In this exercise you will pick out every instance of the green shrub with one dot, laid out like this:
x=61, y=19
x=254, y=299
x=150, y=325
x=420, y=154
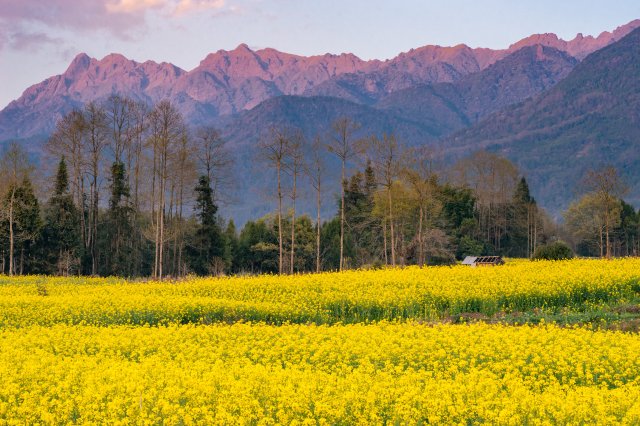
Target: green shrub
x=557, y=250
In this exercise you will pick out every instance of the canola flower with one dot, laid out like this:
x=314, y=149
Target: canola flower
x=411, y=293
x=333, y=348
x=393, y=373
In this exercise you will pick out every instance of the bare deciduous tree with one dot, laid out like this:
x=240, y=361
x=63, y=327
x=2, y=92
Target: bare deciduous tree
x=14, y=167
x=294, y=152
x=274, y=150
x=607, y=188
x=341, y=144
x=314, y=170
x=385, y=154
x=422, y=179
x=167, y=128
x=493, y=180
x=215, y=161
x=68, y=140
x=95, y=129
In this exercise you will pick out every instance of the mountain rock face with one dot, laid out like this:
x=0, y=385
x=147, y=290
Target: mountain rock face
x=227, y=82
x=447, y=107
x=86, y=79
x=580, y=46
x=418, y=114
x=588, y=120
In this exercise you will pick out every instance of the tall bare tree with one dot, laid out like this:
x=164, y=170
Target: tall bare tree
x=139, y=113
x=294, y=152
x=493, y=180
x=341, y=144
x=607, y=188
x=14, y=167
x=183, y=178
x=314, y=171
x=68, y=140
x=385, y=154
x=167, y=127
x=585, y=220
x=274, y=150
x=134, y=152
x=422, y=179
x=120, y=120
x=95, y=129
x=215, y=161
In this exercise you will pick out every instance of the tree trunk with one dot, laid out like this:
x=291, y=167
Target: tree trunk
x=180, y=201
x=342, y=216
x=420, y=242
x=80, y=202
x=161, y=210
x=94, y=230
x=279, y=218
x=384, y=241
x=318, y=228
x=153, y=209
x=293, y=220
x=11, y=236
x=606, y=229
x=173, y=224
x=391, y=228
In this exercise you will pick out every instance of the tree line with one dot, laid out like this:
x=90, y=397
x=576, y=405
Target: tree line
x=136, y=193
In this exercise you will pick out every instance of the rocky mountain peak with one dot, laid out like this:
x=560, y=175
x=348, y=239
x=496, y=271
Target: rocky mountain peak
x=79, y=64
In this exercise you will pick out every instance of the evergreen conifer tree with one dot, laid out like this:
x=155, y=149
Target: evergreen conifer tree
x=207, y=249
x=61, y=238
x=28, y=227
x=120, y=218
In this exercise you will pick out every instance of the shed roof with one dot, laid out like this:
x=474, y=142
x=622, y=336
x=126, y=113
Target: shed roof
x=489, y=259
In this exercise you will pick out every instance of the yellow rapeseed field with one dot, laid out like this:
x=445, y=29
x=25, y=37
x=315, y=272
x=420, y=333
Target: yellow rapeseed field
x=305, y=374
x=348, y=297
x=361, y=347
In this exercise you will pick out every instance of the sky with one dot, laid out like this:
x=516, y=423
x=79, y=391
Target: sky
x=38, y=38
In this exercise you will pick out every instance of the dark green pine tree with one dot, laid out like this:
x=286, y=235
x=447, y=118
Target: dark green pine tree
x=231, y=247
x=61, y=243
x=207, y=249
x=360, y=222
x=119, y=232
x=458, y=220
x=521, y=217
x=627, y=233
x=258, y=248
x=27, y=228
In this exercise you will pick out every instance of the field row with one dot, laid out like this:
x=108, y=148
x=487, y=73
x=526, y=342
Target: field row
x=304, y=374
x=349, y=297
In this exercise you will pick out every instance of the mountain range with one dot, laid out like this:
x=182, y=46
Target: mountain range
x=540, y=102
x=589, y=119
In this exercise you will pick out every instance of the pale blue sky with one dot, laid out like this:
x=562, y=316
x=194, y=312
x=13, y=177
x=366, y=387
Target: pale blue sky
x=38, y=38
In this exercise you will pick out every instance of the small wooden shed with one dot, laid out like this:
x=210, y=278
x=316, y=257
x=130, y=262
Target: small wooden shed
x=474, y=261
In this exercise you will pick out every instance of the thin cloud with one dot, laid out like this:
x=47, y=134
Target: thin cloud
x=86, y=15
x=121, y=18
x=133, y=6
x=31, y=41
x=189, y=6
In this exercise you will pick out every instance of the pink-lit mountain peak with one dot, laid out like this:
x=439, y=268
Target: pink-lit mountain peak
x=229, y=81
x=580, y=46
